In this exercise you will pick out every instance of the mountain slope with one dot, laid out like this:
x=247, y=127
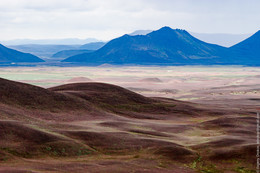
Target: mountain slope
x=10, y=55
x=164, y=46
x=93, y=46
x=68, y=53
x=248, y=49
x=226, y=40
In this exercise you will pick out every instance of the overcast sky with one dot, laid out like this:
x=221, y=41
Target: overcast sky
x=106, y=19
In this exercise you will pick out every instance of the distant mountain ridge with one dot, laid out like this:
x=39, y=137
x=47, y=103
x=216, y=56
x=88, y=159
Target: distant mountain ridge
x=168, y=46
x=43, y=51
x=222, y=39
x=68, y=53
x=65, y=41
x=86, y=48
x=8, y=55
x=162, y=46
x=165, y=46
x=93, y=45
x=140, y=32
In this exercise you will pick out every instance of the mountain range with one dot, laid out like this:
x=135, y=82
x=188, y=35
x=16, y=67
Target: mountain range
x=168, y=46
x=86, y=48
x=165, y=46
x=43, y=51
x=222, y=39
x=68, y=53
x=8, y=55
x=57, y=52
x=66, y=41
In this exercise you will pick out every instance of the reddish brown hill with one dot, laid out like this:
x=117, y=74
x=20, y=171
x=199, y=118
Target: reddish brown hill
x=21, y=140
x=29, y=96
x=102, y=92
x=117, y=99
x=122, y=101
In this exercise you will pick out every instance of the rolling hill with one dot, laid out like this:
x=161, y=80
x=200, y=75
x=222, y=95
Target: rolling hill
x=8, y=55
x=164, y=46
x=103, y=126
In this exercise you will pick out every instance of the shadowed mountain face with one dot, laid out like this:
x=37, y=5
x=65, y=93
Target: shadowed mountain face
x=159, y=47
x=10, y=55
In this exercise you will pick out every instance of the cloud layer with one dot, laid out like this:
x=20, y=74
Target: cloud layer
x=105, y=19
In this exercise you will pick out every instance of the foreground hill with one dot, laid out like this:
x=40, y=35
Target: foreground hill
x=33, y=97
x=164, y=46
x=105, y=128
x=11, y=55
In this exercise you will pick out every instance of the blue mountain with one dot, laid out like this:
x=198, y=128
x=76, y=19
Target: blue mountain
x=164, y=46
x=10, y=55
x=92, y=46
x=68, y=53
x=248, y=51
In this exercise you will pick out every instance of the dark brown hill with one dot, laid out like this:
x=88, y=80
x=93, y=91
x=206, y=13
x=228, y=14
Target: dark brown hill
x=29, y=96
x=101, y=92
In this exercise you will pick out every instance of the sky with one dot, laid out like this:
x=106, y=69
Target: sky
x=107, y=19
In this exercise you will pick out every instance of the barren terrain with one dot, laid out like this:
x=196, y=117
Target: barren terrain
x=129, y=119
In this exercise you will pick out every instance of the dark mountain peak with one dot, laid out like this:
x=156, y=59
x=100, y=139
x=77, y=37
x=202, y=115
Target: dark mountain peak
x=168, y=29
x=167, y=32
x=163, y=30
